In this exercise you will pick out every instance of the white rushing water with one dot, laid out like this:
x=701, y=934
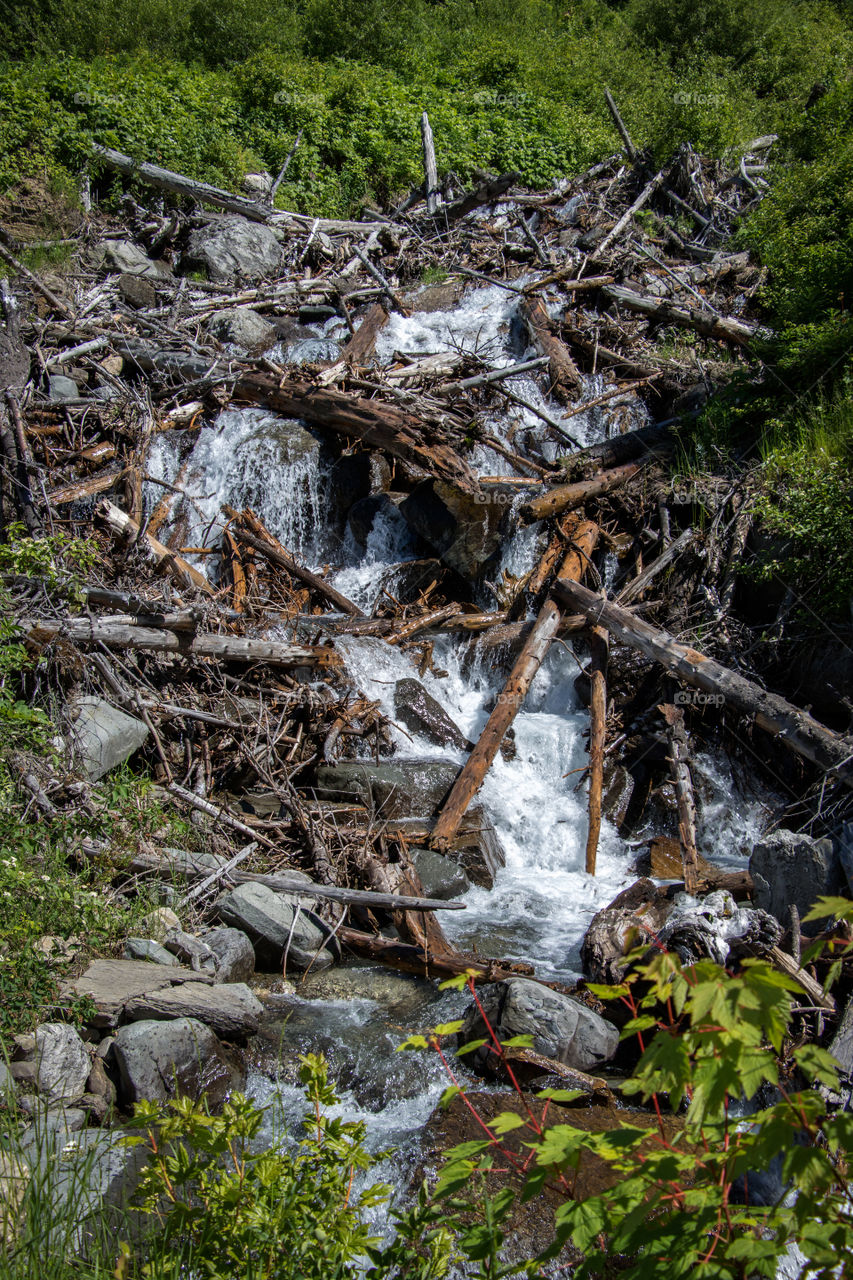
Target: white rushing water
x=543, y=900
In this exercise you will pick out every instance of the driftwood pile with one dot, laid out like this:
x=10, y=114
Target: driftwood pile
x=236, y=674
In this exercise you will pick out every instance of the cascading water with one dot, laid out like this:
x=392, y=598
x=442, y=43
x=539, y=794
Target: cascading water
x=543, y=900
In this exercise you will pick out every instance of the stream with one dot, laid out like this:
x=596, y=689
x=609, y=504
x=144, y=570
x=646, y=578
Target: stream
x=543, y=900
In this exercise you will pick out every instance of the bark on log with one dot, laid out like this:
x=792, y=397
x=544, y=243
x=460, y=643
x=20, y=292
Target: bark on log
x=123, y=527
x=409, y=959
x=567, y=497
x=723, y=328
x=275, y=553
x=282, y=883
x=657, y=440
x=598, y=654
x=679, y=765
x=616, y=231
x=511, y=698
x=225, y=648
x=100, y=483
x=562, y=371
x=381, y=425
x=798, y=731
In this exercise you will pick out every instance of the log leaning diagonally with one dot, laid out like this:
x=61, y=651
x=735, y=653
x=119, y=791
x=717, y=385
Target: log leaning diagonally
x=122, y=526
x=510, y=700
x=799, y=731
x=568, y=497
x=382, y=425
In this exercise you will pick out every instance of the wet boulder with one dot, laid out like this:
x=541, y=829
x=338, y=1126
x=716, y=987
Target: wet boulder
x=462, y=528
x=789, y=868
x=403, y=788
x=229, y=247
x=561, y=1027
x=407, y=581
x=440, y=876
x=418, y=710
x=364, y=513
x=275, y=922
x=158, y=1061
x=242, y=327
x=635, y=916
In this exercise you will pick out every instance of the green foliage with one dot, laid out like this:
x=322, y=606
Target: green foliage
x=710, y=1041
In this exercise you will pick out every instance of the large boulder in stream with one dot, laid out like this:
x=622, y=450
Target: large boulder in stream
x=158, y=1061
x=791, y=869
x=562, y=1028
x=230, y=246
x=418, y=710
x=276, y=922
x=463, y=529
x=405, y=788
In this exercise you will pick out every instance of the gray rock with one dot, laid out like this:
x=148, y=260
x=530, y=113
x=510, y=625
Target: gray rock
x=562, y=1028
x=418, y=710
x=231, y=246
x=104, y=736
x=462, y=530
x=62, y=1061
x=406, y=788
x=99, y=1083
x=61, y=388
x=230, y=1008
x=192, y=951
x=113, y=983
x=128, y=258
x=235, y=955
x=137, y=291
x=163, y=1060
x=242, y=327
x=147, y=949
x=25, y=1073
x=440, y=876
x=268, y=919
x=789, y=868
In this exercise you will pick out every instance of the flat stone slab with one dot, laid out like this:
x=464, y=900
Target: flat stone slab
x=230, y=1009
x=113, y=983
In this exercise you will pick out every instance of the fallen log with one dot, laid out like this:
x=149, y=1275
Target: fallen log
x=637, y=586
x=567, y=497
x=225, y=648
x=127, y=530
x=271, y=550
x=512, y=696
x=423, y=623
x=381, y=425
x=598, y=655
x=798, y=731
x=490, y=190
x=411, y=959
x=562, y=371
x=678, y=760
x=616, y=231
x=723, y=328
x=292, y=885
x=100, y=483
x=656, y=439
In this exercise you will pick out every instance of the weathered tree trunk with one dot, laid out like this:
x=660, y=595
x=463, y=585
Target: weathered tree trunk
x=431, y=193
x=598, y=653
x=261, y=540
x=563, y=374
x=512, y=697
x=410, y=959
x=615, y=232
x=637, y=586
x=710, y=326
x=168, y=561
x=100, y=483
x=382, y=425
x=799, y=732
x=567, y=497
x=656, y=440
x=225, y=648
x=678, y=759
